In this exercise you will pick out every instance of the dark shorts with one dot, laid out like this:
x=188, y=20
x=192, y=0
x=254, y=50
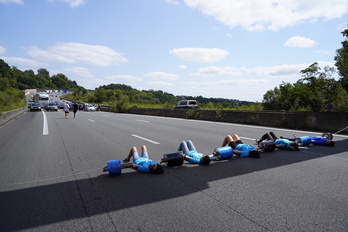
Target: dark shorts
x=233, y=144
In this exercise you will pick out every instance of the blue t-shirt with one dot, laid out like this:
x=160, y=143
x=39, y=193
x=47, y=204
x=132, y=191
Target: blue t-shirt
x=283, y=142
x=317, y=140
x=195, y=157
x=306, y=140
x=244, y=149
x=144, y=163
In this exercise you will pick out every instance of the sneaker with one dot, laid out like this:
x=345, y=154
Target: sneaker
x=105, y=169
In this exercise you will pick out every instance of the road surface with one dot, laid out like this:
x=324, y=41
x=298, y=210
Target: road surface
x=51, y=178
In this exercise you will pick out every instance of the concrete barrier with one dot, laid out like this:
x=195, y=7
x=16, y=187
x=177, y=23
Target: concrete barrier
x=10, y=115
x=315, y=121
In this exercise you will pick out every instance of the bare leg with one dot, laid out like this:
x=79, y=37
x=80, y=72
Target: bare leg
x=235, y=137
x=227, y=140
x=130, y=154
x=143, y=148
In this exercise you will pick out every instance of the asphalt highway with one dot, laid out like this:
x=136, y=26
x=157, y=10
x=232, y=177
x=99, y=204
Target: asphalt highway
x=51, y=178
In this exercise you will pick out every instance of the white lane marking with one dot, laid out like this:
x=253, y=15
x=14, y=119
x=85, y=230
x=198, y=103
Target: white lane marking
x=138, y=120
x=45, y=127
x=148, y=140
x=91, y=120
x=247, y=138
x=240, y=125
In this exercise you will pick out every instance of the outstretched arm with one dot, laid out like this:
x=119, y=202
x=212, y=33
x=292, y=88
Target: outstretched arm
x=130, y=165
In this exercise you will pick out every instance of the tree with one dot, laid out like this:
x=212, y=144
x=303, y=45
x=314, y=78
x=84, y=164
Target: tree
x=313, y=92
x=341, y=59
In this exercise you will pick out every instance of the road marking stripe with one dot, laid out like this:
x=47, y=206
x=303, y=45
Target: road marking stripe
x=45, y=127
x=138, y=120
x=148, y=140
x=247, y=138
x=91, y=120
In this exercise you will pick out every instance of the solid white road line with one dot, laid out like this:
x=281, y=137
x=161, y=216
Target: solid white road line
x=45, y=127
x=148, y=140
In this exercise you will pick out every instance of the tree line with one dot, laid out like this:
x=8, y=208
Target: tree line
x=316, y=90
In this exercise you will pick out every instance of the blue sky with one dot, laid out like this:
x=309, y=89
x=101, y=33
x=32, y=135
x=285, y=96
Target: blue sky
x=211, y=48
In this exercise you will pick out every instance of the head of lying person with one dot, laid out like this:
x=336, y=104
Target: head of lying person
x=295, y=145
x=205, y=160
x=254, y=154
x=330, y=143
x=156, y=169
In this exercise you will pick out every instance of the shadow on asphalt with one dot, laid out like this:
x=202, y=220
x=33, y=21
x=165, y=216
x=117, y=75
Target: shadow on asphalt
x=37, y=206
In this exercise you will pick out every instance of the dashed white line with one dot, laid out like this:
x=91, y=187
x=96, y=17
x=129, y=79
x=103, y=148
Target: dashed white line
x=91, y=120
x=138, y=120
x=148, y=140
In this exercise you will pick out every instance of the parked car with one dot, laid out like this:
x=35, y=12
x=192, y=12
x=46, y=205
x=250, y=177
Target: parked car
x=51, y=106
x=90, y=107
x=186, y=104
x=35, y=107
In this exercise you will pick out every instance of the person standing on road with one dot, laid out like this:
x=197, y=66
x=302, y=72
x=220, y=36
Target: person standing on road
x=239, y=148
x=75, y=106
x=66, y=110
x=142, y=163
x=191, y=154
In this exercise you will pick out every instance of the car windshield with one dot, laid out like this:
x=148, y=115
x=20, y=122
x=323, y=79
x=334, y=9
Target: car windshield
x=51, y=104
x=36, y=104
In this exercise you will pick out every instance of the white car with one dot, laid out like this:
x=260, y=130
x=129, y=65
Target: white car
x=51, y=106
x=186, y=104
x=90, y=107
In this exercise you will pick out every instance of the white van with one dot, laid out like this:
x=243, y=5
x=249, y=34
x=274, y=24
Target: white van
x=186, y=104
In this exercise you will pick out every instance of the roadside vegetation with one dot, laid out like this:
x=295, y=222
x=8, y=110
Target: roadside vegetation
x=316, y=90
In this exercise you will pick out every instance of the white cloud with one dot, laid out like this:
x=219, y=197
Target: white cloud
x=128, y=78
x=2, y=50
x=244, y=81
x=255, y=15
x=71, y=3
x=160, y=83
x=20, y=2
x=173, y=2
x=80, y=71
x=182, y=67
x=300, y=42
x=214, y=71
x=162, y=76
x=77, y=52
x=201, y=55
x=278, y=71
x=23, y=61
x=323, y=52
x=342, y=26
